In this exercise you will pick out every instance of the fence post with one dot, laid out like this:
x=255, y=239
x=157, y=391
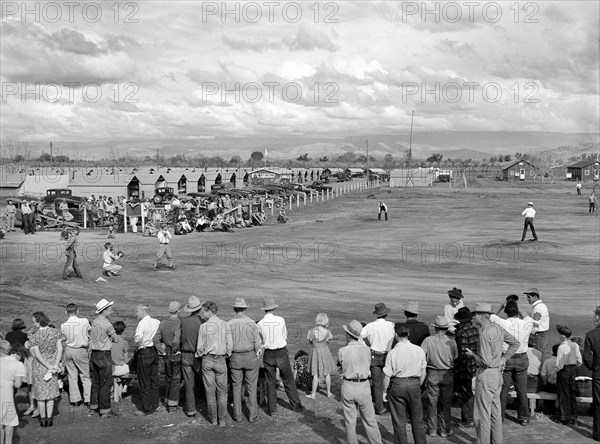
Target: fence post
x=85, y=216
x=304, y=198
x=124, y=216
x=290, y=203
x=143, y=208
x=322, y=195
x=311, y=196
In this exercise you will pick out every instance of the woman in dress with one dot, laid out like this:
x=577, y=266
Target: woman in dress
x=46, y=348
x=71, y=267
x=320, y=360
x=12, y=372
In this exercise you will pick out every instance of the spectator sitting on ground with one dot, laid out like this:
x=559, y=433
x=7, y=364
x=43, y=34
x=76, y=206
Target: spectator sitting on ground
x=150, y=229
x=202, y=223
x=282, y=218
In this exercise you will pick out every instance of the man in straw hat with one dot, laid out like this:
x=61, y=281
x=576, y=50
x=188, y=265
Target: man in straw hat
x=490, y=362
x=379, y=336
x=456, y=303
x=244, y=363
x=529, y=214
x=164, y=238
x=404, y=374
x=354, y=362
x=190, y=364
x=591, y=359
x=274, y=336
x=147, y=360
x=440, y=351
x=102, y=334
x=465, y=367
x=168, y=340
x=418, y=330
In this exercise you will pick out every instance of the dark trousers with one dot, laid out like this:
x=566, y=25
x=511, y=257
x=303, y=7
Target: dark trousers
x=464, y=390
x=440, y=386
x=404, y=397
x=172, y=379
x=540, y=342
x=596, y=405
x=377, y=364
x=27, y=223
x=592, y=207
x=515, y=372
x=379, y=215
x=71, y=267
x=579, y=191
x=280, y=359
x=190, y=368
x=147, y=372
x=567, y=398
x=102, y=380
x=528, y=223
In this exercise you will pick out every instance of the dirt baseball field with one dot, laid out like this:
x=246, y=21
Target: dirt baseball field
x=333, y=257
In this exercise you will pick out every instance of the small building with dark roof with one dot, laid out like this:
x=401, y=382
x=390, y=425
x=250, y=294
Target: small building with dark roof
x=584, y=170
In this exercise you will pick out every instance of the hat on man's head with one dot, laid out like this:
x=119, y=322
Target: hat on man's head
x=534, y=291
x=482, y=307
x=174, y=307
x=441, y=321
x=411, y=307
x=354, y=328
x=240, y=303
x=103, y=305
x=381, y=310
x=193, y=305
x=269, y=304
x=463, y=314
x=455, y=293
x=530, y=203
x=597, y=311
x=512, y=298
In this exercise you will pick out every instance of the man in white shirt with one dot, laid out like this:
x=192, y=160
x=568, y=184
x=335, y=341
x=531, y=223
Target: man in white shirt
x=379, y=336
x=541, y=317
x=76, y=333
x=456, y=303
x=147, y=360
x=515, y=370
x=382, y=209
x=273, y=332
x=164, y=238
x=529, y=214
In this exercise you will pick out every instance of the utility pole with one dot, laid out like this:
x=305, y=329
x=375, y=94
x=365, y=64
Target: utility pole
x=51, y=156
x=367, y=146
x=409, y=176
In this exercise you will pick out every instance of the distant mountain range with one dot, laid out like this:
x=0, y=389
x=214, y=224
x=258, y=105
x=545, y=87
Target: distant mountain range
x=452, y=144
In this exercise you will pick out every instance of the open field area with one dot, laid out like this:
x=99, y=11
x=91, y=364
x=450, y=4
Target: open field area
x=333, y=257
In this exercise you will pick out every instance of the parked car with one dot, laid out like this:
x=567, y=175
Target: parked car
x=163, y=195
x=320, y=186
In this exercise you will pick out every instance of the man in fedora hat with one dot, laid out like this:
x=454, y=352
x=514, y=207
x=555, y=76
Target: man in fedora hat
x=440, y=351
x=465, y=367
x=515, y=370
x=405, y=371
x=379, y=336
x=168, y=340
x=456, y=303
x=244, y=364
x=102, y=335
x=418, y=330
x=529, y=214
x=164, y=238
x=490, y=361
x=541, y=317
x=190, y=364
x=274, y=336
x=354, y=362
x=591, y=359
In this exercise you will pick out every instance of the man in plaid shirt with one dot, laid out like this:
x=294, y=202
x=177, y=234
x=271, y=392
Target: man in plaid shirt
x=467, y=336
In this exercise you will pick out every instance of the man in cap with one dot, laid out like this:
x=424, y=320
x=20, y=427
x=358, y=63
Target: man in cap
x=190, y=364
x=529, y=214
x=418, y=330
x=490, y=361
x=147, y=360
x=465, y=367
x=244, y=364
x=456, y=303
x=541, y=317
x=379, y=336
x=214, y=345
x=591, y=359
x=274, y=336
x=515, y=370
x=405, y=371
x=76, y=333
x=11, y=211
x=354, y=362
x=440, y=351
x=168, y=340
x=102, y=334
x=164, y=238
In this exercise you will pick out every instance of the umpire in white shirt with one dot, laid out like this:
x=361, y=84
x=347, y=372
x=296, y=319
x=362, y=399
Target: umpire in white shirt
x=147, y=360
x=382, y=209
x=529, y=214
x=274, y=335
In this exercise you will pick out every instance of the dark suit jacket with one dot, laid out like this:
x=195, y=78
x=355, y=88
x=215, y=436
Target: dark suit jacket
x=418, y=331
x=591, y=350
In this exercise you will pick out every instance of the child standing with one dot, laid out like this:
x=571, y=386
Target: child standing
x=12, y=372
x=320, y=361
x=568, y=358
x=302, y=375
x=119, y=357
x=549, y=371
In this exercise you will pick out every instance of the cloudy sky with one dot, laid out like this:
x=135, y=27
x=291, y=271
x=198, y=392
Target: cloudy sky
x=185, y=70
